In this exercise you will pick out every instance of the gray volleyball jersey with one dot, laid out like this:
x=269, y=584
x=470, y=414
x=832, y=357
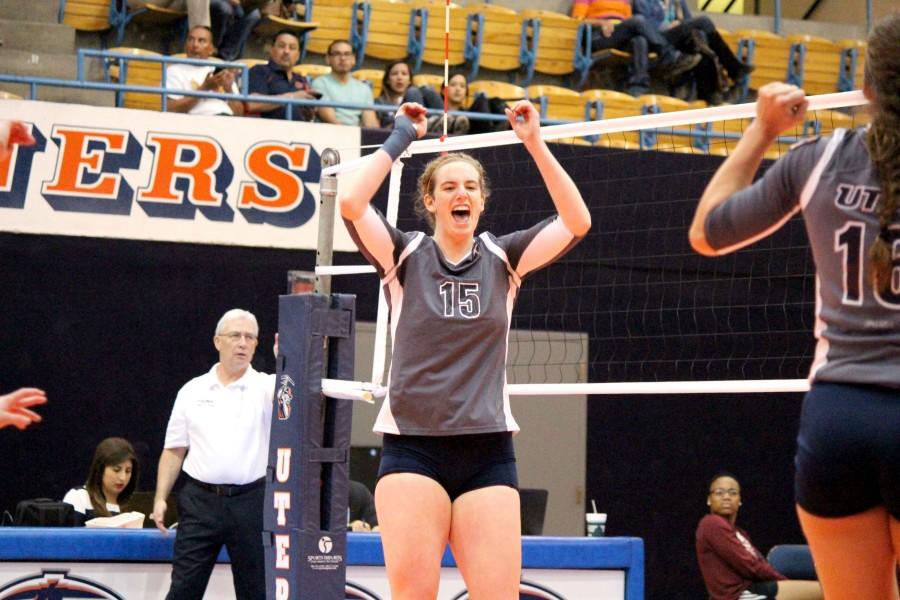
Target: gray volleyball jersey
x=450, y=322
x=834, y=183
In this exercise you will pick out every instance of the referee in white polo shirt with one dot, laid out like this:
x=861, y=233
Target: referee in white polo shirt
x=219, y=434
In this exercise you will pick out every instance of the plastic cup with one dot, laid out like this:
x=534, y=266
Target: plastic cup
x=596, y=524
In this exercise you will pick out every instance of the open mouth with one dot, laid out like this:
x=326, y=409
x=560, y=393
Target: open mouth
x=461, y=215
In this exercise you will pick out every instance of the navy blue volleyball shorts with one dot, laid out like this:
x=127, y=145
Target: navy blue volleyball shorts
x=848, y=450
x=459, y=463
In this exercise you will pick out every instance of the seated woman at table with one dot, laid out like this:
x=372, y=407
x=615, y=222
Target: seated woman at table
x=111, y=480
x=732, y=568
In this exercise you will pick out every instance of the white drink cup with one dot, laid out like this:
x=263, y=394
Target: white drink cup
x=596, y=524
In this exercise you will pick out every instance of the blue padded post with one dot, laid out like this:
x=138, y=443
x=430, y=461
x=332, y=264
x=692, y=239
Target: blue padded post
x=305, y=515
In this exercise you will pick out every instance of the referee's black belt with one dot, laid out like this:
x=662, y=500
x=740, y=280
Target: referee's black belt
x=225, y=489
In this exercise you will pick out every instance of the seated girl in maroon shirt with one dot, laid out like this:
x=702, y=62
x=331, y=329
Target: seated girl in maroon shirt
x=731, y=567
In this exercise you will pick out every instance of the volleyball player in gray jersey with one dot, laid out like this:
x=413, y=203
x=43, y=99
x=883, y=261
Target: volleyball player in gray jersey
x=448, y=467
x=847, y=188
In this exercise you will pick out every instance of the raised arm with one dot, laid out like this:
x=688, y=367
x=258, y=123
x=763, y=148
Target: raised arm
x=563, y=191
x=357, y=188
x=779, y=106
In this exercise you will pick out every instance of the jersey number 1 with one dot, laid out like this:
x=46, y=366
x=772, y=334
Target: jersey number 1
x=460, y=299
x=849, y=242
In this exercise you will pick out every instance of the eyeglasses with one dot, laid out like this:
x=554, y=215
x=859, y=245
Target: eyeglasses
x=341, y=54
x=236, y=336
x=720, y=492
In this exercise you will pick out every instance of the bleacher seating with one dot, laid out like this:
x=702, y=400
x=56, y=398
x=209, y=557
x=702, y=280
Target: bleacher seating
x=560, y=43
x=494, y=40
x=337, y=20
x=490, y=37
x=556, y=102
x=428, y=23
x=137, y=72
x=768, y=51
x=508, y=92
x=387, y=29
x=373, y=77
x=311, y=70
x=435, y=82
x=85, y=15
x=853, y=60
x=815, y=62
x=610, y=104
x=663, y=139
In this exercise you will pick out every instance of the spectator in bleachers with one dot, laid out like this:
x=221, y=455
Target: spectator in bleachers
x=340, y=86
x=699, y=35
x=614, y=27
x=397, y=89
x=199, y=45
x=232, y=23
x=197, y=10
x=458, y=92
x=276, y=78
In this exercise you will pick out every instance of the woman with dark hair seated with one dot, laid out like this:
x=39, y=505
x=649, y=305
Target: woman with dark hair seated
x=111, y=480
x=732, y=568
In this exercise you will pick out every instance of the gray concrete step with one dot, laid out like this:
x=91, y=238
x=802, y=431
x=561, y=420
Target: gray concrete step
x=28, y=35
x=37, y=64
x=65, y=95
x=53, y=66
x=37, y=11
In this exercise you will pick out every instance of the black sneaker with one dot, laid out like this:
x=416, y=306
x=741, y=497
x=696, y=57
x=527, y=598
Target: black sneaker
x=681, y=65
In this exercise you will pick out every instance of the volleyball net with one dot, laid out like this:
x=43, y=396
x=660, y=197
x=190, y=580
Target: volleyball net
x=633, y=309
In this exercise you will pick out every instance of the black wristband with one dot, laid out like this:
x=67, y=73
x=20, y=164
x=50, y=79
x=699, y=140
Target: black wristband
x=401, y=137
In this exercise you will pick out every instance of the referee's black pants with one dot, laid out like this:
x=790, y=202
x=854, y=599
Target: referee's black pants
x=206, y=521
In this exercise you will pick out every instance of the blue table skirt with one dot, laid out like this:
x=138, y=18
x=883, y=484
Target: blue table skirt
x=150, y=545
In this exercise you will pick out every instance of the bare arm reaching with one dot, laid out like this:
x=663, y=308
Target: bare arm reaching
x=563, y=191
x=357, y=188
x=779, y=106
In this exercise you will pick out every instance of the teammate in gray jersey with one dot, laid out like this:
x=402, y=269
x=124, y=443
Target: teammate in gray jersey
x=448, y=468
x=847, y=187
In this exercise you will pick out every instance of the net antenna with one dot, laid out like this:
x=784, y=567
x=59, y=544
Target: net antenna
x=664, y=121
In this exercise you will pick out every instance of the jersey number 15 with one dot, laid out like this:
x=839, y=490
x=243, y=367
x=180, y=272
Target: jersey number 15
x=460, y=299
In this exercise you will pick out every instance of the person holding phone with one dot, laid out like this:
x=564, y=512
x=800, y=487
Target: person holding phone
x=277, y=78
x=204, y=78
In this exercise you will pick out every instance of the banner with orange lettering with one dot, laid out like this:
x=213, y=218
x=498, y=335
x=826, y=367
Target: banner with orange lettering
x=115, y=172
